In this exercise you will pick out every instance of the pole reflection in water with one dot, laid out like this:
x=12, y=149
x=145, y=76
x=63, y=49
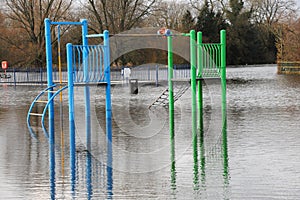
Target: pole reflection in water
x=196, y=161
x=200, y=163
x=73, y=173
x=173, y=165
x=202, y=157
x=52, y=170
x=91, y=171
x=89, y=185
x=225, y=162
x=109, y=170
x=88, y=155
x=196, y=169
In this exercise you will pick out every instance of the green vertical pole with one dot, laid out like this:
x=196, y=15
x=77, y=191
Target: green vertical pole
x=171, y=111
x=224, y=103
x=170, y=83
x=223, y=85
x=193, y=85
x=200, y=104
x=200, y=92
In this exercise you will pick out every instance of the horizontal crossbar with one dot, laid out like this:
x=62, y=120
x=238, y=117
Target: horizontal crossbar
x=95, y=35
x=145, y=35
x=197, y=79
x=66, y=23
x=90, y=84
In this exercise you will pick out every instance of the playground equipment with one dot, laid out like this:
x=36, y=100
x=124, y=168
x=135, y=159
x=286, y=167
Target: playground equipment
x=208, y=61
x=87, y=65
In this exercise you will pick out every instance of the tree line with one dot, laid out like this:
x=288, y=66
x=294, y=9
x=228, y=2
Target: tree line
x=258, y=31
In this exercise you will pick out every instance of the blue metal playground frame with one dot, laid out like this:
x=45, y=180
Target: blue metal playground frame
x=87, y=65
x=86, y=81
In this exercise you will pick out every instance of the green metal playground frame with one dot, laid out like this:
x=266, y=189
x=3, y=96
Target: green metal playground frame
x=208, y=61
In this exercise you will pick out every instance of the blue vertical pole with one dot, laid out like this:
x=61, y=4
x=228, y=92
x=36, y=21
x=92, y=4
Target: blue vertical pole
x=86, y=80
x=71, y=114
x=108, y=85
x=51, y=105
x=108, y=114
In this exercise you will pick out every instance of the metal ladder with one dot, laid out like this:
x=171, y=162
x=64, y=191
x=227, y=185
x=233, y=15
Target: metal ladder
x=163, y=99
x=46, y=104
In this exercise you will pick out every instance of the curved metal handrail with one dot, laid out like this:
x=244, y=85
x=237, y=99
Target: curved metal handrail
x=31, y=107
x=46, y=106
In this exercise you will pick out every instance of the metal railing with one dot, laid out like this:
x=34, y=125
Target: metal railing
x=145, y=73
x=209, y=60
x=90, y=60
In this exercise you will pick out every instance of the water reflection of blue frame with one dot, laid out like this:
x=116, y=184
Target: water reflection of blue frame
x=93, y=171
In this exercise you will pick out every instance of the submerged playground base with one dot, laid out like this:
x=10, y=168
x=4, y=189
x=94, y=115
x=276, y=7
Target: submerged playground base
x=90, y=65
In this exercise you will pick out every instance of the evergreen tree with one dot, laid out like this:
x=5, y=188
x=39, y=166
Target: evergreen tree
x=242, y=41
x=210, y=23
x=187, y=22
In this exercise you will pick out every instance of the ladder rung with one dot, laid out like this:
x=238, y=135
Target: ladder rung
x=40, y=101
x=51, y=91
x=36, y=114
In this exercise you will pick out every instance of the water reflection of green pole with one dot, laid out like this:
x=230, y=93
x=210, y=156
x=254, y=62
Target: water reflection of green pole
x=173, y=166
x=225, y=161
x=202, y=156
x=202, y=162
x=196, y=163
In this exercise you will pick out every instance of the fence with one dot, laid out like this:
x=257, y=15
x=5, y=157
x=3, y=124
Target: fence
x=145, y=73
x=284, y=67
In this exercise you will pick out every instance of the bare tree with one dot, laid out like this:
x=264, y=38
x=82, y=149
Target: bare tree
x=275, y=17
x=273, y=11
x=169, y=14
x=29, y=15
x=118, y=15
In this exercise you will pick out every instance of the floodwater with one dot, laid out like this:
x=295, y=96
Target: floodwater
x=260, y=161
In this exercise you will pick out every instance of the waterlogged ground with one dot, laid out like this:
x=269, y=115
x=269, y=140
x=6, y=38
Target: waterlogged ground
x=261, y=161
